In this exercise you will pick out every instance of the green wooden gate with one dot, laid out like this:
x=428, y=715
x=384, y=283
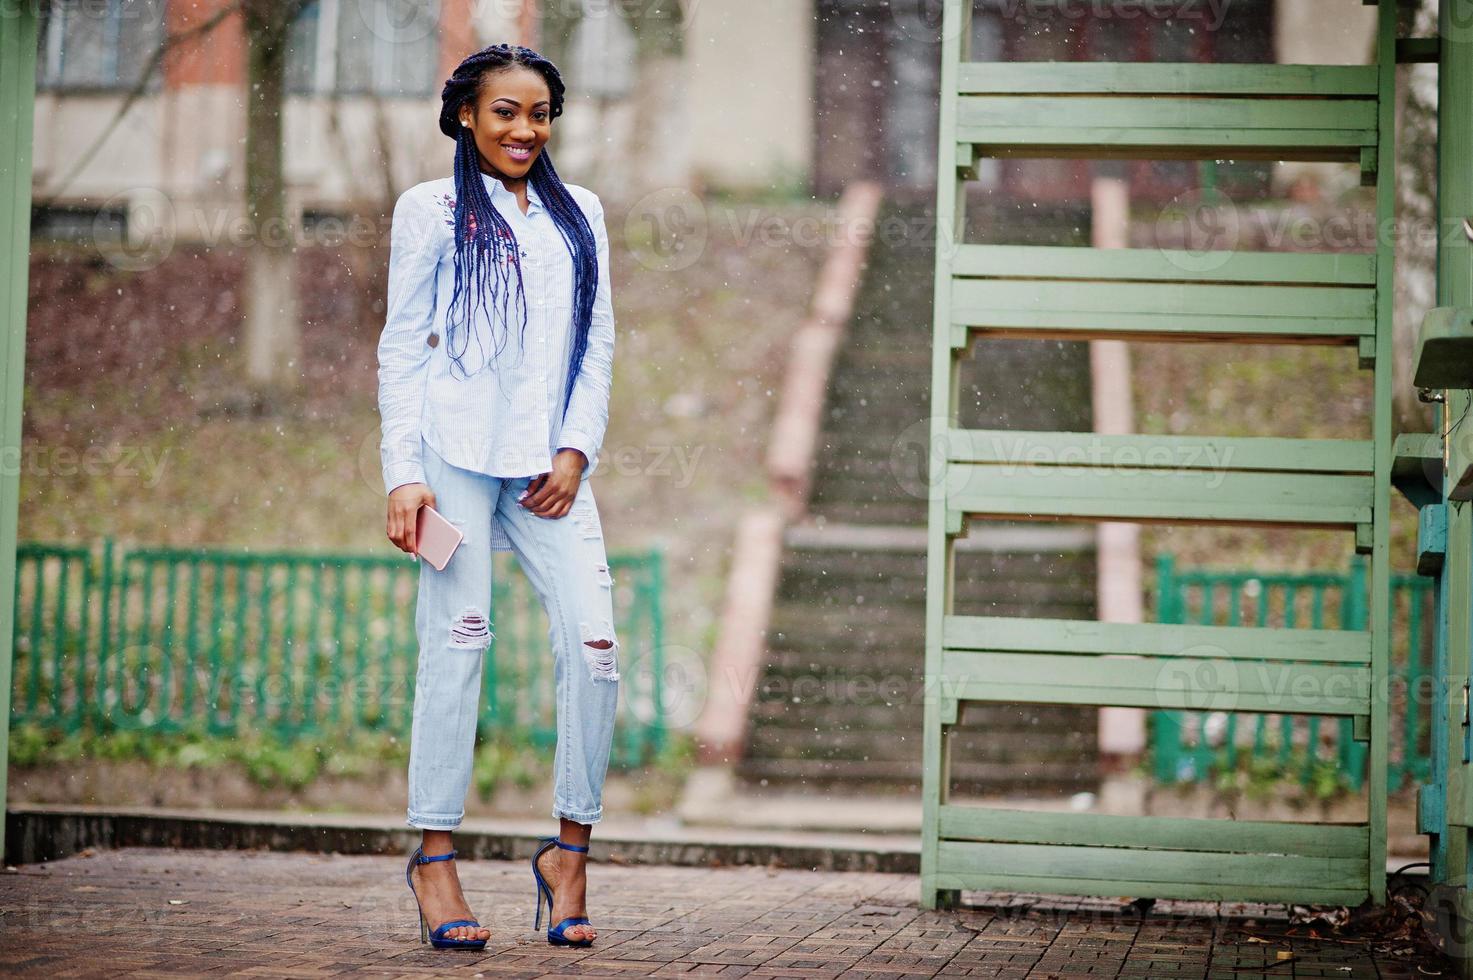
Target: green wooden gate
x=1153, y=112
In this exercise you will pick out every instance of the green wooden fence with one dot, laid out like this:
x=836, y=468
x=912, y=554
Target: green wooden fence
x=168, y=639
x=1189, y=746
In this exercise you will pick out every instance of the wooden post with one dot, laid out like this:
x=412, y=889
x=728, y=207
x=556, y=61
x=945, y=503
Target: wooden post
x=1122, y=732
x=17, y=107
x=1455, y=288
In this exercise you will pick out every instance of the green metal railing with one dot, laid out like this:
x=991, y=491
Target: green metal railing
x=291, y=643
x=1186, y=746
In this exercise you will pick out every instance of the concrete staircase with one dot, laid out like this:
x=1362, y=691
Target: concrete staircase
x=840, y=700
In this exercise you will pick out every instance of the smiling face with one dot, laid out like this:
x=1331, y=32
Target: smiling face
x=512, y=120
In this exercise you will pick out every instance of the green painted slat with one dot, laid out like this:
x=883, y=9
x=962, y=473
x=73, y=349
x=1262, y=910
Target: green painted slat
x=1147, y=328
x=1191, y=683
x=1166, y=144
x=1291, y=121
x=1014, y=826
x=338, y=652
x=216, y=664
x=361, y=601
x=1165, y=78
x=312, y=652
x=1021, y=448
x=1326, y=313
x=240, y=649
x=1087, y=637
x=1165, y=264
x=191, y=639
x=33, y=640
x=169, y=629
x=945, y=878
x=1073, y=864
x=1186, y=496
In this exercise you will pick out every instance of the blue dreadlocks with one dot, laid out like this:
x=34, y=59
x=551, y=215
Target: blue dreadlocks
x=482, y=235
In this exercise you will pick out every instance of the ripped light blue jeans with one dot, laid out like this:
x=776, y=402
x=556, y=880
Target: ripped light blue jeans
x=565, y=561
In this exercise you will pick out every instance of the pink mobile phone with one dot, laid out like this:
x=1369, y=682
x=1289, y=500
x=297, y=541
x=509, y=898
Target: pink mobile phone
x=435, y=537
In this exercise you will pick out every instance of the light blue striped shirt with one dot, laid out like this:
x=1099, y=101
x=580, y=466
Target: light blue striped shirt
x=502, y=416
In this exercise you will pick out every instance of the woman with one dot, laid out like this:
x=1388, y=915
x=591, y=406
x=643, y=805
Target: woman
x=494, y=372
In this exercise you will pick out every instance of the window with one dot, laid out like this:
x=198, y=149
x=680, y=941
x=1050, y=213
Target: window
x=98, y=44
x=357, y=47
x=62, y=223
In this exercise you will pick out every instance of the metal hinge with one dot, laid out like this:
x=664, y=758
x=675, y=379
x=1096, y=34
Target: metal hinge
x=1465, y=723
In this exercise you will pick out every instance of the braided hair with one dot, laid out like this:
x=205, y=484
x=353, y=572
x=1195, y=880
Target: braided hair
x=482, y=236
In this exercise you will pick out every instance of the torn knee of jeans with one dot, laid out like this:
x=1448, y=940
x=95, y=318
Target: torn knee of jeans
x=601, y=569
x=471, y=630
x=601, y=650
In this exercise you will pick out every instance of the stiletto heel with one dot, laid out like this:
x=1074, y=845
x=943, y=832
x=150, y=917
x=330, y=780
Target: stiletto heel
x=555, y=933
x=437, y=938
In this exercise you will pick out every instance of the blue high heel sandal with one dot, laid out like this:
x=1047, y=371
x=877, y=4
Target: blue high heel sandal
x=555, y=933
x=438, y=939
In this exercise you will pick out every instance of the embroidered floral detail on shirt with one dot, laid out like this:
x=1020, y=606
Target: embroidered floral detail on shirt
x=448, y=203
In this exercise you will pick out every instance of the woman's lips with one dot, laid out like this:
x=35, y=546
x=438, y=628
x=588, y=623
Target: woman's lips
x=519, y=153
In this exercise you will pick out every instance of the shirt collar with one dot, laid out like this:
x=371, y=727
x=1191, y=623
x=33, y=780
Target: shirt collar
x=499, y=194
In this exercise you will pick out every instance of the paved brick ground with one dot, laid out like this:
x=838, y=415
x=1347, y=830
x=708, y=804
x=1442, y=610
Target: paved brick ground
x=145, y=912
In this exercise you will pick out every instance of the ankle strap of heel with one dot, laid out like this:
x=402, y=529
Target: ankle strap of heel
x=570, y=847
x=420, y=857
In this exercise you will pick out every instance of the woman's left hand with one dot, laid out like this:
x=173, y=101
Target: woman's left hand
x=552, y=494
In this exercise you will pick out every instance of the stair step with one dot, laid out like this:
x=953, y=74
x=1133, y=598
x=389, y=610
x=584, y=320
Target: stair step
x=844, y=620
x=871, y=643
x=869, y=511
x=875, y=541
x=1025, y=748
x=905, y=777
x=852, y=573
x=863, y=710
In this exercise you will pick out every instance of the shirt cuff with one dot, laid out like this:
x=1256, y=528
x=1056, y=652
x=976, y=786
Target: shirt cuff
x=584, y=443
x=403, y=471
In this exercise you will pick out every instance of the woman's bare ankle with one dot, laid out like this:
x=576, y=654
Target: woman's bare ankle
x=436, y=842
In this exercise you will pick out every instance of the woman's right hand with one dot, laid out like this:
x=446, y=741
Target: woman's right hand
x=404, y=504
